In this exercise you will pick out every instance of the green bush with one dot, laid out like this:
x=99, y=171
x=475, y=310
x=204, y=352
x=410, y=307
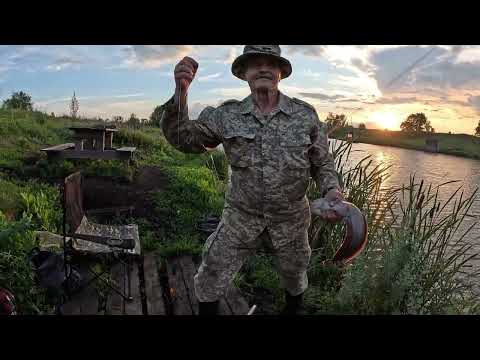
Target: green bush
x=16, y=273
x=43, y=208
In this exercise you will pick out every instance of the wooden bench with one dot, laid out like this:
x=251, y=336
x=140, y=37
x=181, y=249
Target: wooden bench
x=58, y=148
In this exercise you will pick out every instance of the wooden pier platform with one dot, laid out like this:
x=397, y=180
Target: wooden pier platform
x=162, y=288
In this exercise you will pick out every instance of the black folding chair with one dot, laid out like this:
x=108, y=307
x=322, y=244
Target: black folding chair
x=82, y=237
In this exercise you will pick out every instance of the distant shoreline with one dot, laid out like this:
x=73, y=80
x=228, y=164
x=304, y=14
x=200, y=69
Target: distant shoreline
x=460, y=145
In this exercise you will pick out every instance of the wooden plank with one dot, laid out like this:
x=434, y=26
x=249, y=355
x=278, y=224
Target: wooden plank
x=178, y=291
x=94, y=154
x=189, y=270
x=111, y=210
x=109, y=141
x=223, y=308
x=88, y=144
x=236, y=301
x=126, y=149
x=60, y=147
x=79, y=145
x=73, y=307
x=90, y=304
x=77, y=129
x=100, y=142
x=134, y=307
x=115, y=303
x=83, y=303
x=153, y=288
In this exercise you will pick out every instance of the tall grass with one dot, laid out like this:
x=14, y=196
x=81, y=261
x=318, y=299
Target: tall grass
x=416, y=261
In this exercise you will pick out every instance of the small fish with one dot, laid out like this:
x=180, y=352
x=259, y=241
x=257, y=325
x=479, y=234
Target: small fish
x=356, y=234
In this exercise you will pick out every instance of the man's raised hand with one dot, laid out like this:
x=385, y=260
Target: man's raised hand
x=184, y=74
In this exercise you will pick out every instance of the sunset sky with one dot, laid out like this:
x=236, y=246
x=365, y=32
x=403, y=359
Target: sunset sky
x=361, y=82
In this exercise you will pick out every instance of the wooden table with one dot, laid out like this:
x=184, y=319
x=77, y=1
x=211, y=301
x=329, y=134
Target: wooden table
x=88, y=138
x=90, y=143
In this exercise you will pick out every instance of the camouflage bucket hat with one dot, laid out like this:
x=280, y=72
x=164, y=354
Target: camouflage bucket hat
x=238, y=66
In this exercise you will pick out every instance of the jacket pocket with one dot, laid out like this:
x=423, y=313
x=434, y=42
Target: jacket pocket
x=296, y=172
x=296, y=152
x=239, y=148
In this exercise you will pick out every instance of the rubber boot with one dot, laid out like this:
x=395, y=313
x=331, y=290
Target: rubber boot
x=208, y=308
x=294, y=305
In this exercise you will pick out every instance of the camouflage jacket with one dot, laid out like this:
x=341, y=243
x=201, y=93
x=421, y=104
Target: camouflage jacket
x=272, y=157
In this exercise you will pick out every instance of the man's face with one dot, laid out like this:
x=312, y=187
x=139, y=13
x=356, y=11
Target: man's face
x=263, y=72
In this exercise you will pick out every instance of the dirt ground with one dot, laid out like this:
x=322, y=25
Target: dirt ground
x=103, y=192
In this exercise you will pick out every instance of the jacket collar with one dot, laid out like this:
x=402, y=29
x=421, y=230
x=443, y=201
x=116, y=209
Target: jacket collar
x=284, y=104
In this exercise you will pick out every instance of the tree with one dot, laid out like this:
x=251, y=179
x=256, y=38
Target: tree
x=117, y=119
x=19, y=100
x=416, y=123
x=477, y=129
x=335, y=121
x=73, y=106
x=157, y=116
x=133, y=121
x=362, y=126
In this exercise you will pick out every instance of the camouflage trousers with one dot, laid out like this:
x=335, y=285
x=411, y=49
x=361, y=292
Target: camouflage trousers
x=239, y=235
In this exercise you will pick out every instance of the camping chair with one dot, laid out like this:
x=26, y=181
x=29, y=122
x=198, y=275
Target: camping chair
x=83, y=237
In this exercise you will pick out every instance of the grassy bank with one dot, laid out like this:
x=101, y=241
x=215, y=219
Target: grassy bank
x=30, y=193
x=405, y=268
x=451, y=144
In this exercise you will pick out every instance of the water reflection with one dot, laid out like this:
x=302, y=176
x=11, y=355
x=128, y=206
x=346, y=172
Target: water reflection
x=434, y=169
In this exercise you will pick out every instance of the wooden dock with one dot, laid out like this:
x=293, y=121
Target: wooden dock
x=162, y=288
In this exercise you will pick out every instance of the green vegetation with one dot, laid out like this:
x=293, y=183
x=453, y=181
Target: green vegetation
x=20, y=101
x=450, y=144
x=417, y=123
x=412, y=263
x=30, y=200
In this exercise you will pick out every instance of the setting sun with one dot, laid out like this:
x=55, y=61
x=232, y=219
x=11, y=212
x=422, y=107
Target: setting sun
x=385, y=120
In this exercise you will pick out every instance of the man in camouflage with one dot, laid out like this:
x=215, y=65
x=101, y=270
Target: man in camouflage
x=274, y=144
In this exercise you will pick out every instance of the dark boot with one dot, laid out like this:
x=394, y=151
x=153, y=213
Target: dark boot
x=208, y=308
x=294, y=304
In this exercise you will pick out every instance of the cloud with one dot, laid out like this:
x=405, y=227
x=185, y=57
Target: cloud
x=321, y=96
x=230, y=57
x=475, y=102
x=397, y=100
x=307, y=50
x=349, y=108
x=362, y=65
x=236, y=92
x=197, y=107
x=209, y=77
x=313, y=74
x=89, y=98
x=447, y=74
x=64, y=63
x=446, y=68
x=154, y=56
x=391, y=63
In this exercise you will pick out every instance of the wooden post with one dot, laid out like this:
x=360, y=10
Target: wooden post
x=109, y=140
x=100, y=142
x=79, y=145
